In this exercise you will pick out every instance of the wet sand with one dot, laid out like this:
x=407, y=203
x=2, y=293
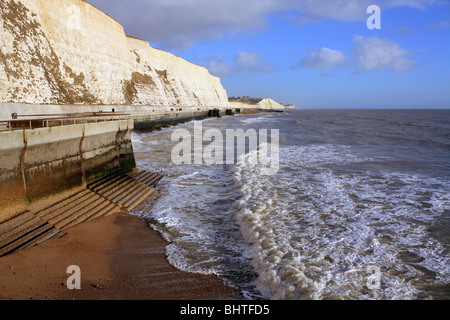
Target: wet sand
x=120, y=258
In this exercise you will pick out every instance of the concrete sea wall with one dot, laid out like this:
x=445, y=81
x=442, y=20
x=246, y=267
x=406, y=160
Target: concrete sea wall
x=40, y=163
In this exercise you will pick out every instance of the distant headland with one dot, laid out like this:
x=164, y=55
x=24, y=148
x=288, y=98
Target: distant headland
x=258, y=103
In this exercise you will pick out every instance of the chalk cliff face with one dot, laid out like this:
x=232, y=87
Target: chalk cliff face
x=69, y=52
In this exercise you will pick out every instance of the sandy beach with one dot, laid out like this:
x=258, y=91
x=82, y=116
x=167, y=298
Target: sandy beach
x=120, y=258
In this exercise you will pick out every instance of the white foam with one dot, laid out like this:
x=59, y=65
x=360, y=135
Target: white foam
x=194, y=211
x=314, y=231
x=256, y=119
x=311, y=231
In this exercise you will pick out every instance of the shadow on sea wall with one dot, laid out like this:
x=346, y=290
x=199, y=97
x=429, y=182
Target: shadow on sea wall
x=40, y=163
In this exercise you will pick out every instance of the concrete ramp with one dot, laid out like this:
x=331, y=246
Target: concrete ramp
x=118, y=192
x=126, y=190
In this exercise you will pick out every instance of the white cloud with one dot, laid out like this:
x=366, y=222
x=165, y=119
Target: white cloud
x=217, y=65
x=251, y=62
x=243, y=62
x=343, y=10
x=375, y=53
x=322, y=59
x=438, y=25
x=179, y=24
x=350, y=10
x=416, y=4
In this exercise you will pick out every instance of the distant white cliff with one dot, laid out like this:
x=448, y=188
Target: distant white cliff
x=257, y=103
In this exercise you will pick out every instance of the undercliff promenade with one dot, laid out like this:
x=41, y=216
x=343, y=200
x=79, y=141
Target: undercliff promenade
x=149, y=119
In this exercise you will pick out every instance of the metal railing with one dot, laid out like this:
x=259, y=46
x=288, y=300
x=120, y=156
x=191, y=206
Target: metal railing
x=38, y=121
x=35, y=121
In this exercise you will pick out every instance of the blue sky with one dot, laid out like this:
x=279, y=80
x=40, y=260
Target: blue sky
x=314, y=54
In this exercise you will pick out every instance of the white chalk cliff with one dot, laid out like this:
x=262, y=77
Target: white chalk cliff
x=70, y=52
x=263, y=104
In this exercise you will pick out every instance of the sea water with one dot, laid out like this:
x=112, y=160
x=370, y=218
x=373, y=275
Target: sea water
x=359, y=207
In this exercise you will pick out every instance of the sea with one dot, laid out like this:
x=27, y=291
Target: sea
x=358, y=208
